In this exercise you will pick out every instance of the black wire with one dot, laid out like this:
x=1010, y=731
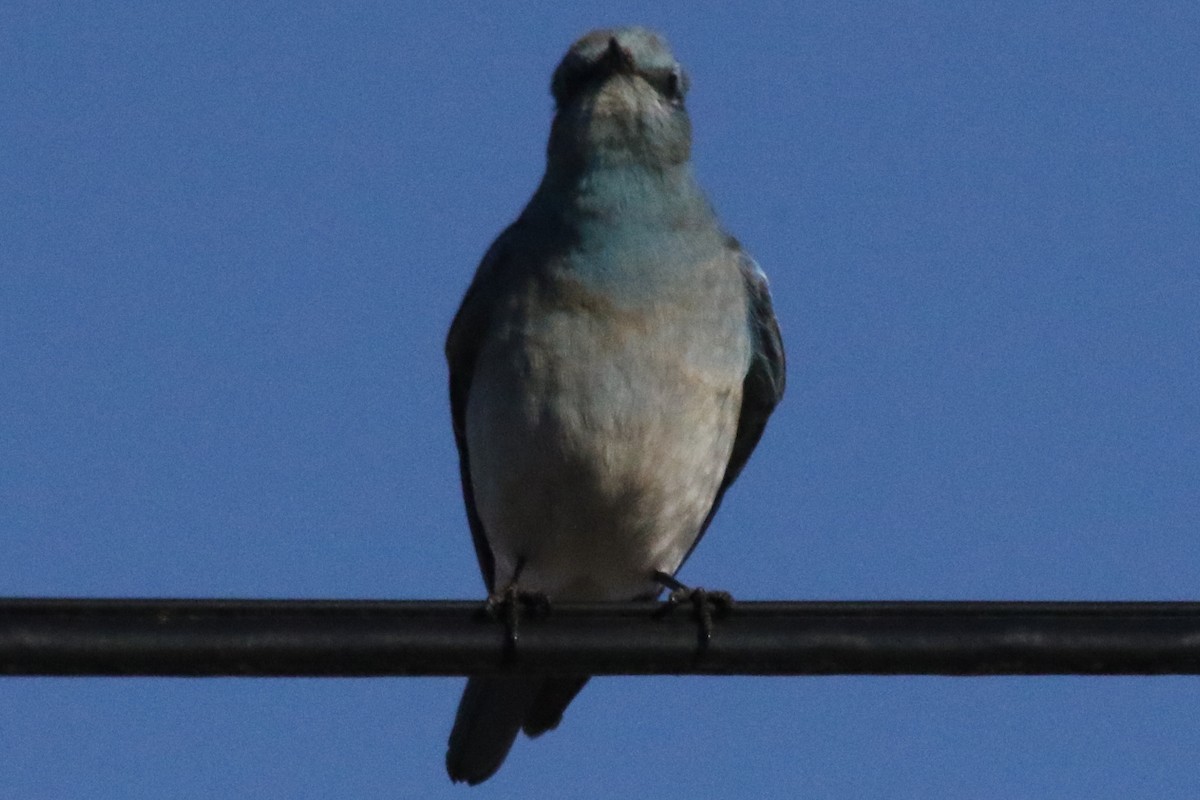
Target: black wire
x=196, y=637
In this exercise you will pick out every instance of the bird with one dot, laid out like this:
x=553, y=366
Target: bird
x=612, y=365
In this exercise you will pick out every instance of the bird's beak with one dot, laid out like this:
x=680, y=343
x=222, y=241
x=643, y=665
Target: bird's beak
x=618, y=58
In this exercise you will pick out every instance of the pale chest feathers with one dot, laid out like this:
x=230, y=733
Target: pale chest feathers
x=599, y=431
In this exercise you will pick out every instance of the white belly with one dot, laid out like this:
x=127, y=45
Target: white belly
x=594, y=472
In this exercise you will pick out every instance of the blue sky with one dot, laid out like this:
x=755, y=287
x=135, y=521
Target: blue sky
x=232, y=237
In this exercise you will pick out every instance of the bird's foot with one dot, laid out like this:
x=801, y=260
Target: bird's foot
x=707, y=604
x=507, y=605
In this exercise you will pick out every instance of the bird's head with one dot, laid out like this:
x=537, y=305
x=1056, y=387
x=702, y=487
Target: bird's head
x=619, y=99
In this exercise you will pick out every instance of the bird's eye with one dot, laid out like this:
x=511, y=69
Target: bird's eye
x=571, y=78
x=674, y=85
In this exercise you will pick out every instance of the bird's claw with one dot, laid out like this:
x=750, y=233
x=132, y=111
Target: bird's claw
x=507, y=604
x=707, y=604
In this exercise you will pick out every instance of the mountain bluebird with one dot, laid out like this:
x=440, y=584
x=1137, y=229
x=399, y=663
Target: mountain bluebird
x=612, y=366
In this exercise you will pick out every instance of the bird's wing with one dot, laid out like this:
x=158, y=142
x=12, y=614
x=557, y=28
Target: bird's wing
x=762, y=388
x=462, y=350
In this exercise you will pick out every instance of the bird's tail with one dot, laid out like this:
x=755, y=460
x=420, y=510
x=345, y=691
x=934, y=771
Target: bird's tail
x=493, y=710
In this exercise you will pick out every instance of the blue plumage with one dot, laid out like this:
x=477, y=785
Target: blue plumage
x=612, y=366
